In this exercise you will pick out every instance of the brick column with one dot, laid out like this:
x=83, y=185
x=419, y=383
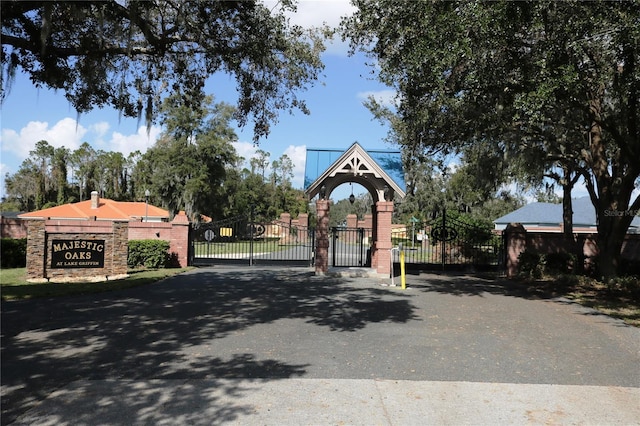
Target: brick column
x=179, y=246
x=322, y=237
x=367, y=222
x=515, y=243
x=36, y=250
x=303, y=227
x=352, y=221
x=381, y=254
x=285, y=218
x=303, y=220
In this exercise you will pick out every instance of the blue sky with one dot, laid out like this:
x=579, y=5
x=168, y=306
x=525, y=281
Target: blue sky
x=338, y=117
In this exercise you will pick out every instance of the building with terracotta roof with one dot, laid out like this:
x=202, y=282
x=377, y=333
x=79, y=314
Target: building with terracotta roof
x=102, y=209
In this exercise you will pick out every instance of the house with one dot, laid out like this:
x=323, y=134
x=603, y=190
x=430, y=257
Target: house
x=547, y=217
x=102, y=209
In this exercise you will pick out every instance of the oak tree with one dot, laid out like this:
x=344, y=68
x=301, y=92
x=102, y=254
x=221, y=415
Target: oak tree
x=130, y=54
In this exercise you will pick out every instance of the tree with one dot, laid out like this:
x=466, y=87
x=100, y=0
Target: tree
x=259, y=162
x=82, y=162
x=281, y=175
x=187, y=166
x=541, y=77
x=59, y=174
x=475, y=186
x=23, y=186
x=129, y=54
x=41, y=156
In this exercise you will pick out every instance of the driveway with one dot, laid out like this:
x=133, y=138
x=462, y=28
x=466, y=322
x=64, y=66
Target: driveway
x=200, y=347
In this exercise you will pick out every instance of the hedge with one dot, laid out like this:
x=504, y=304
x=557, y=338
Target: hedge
x=13, y=252
x=151, y=254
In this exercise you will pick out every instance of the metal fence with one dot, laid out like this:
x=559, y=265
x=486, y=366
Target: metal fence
x=448, y=244
x=350, y=247
x=241, y=240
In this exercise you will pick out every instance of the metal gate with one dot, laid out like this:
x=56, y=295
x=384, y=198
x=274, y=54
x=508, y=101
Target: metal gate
x=447, y=243
x=350, y=247
x=240, y=240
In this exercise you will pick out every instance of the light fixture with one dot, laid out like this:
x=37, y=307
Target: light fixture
x=352, y=198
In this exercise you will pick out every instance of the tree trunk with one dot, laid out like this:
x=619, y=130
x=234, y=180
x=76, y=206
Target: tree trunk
x=567, y=223
x=568, y=182
x=612, y=228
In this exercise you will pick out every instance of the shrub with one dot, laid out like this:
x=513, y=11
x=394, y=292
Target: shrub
x=559, y=263
x=624, y=283
x=13, y=252
x=151, y=254
x=530, y=264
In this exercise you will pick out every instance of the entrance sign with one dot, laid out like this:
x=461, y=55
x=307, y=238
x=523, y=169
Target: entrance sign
x=77, y=254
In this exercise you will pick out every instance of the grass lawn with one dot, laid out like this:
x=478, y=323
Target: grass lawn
x=13, y=284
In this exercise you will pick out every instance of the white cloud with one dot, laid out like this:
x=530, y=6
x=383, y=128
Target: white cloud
x=298, y=155
x=315, y=13
x=140, y=141
x=385, y=97
x=246, y=150
x=70, y=134
x=66, y=132
x=100, y=129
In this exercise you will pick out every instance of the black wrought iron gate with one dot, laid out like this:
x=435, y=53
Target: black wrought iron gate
x=448, y=243
x=240, y=240
x=350, y=247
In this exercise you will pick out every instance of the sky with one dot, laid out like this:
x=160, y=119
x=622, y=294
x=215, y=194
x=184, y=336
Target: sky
x=338, y=117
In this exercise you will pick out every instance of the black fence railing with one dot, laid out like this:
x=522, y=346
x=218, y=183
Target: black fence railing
x=241, y=240
x=350, y=247
x=448, y=243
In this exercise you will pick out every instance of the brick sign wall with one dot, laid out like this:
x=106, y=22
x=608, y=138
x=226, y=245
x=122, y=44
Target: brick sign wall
x=75, y=250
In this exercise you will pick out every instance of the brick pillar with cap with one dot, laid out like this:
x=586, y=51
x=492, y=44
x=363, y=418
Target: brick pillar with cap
x=322, y=237
x=381, y=249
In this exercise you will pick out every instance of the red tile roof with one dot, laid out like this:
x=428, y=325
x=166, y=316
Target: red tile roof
x=107, y=210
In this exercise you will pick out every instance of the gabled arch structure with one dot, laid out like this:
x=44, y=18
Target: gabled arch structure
x=380, y=172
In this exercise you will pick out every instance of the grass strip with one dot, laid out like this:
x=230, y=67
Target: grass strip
x=14, y=286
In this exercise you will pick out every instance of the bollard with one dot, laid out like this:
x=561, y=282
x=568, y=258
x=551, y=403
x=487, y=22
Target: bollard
x=403, y=280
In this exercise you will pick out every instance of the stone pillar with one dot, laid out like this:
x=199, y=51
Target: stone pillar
x=322, y=237
x=381, y=250
x=515, y=243
x=352, y=221
x=179, y=240
x=36, y=250
x=120, y=250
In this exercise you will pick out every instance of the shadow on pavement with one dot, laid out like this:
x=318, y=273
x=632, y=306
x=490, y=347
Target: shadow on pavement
x=158, y=331
x=468, y=285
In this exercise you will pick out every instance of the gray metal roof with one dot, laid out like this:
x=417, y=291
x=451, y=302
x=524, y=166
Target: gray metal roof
x=584, y=214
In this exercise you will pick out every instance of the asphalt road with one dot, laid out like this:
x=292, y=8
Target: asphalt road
x=219, y=325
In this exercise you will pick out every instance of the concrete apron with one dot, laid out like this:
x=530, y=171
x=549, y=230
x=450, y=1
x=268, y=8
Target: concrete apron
x=327, y=401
